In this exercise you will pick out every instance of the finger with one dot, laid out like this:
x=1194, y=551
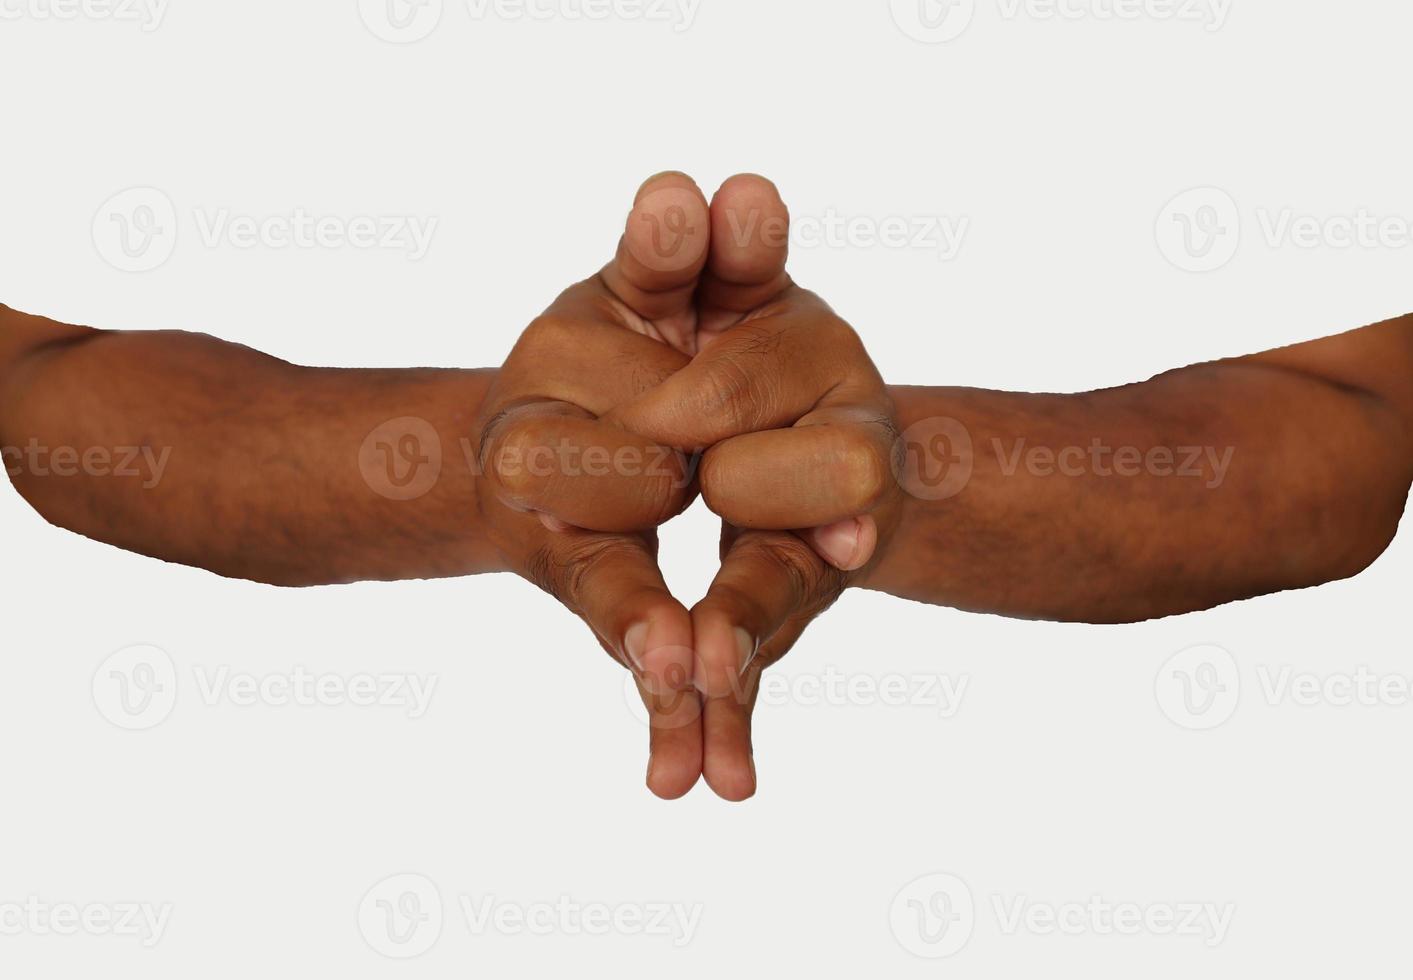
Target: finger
x=812, y=474
x=578, y=352
x=554, y=458
x=728, y=754
x=771, y=584
x=613, y=582
x=750, y=243
x=848, y=545
x=766, y=579
x=763, y=373
x=674, y=740
x=661, y=256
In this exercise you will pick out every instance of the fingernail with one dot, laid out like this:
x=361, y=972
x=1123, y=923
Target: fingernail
x=664, y=173
x=839, y=543
x=633, y=642
x=554, y=524
x=746, y=649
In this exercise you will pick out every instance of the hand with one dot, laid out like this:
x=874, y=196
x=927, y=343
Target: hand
x=800, y=434
x=556, y=472
x=726, y=295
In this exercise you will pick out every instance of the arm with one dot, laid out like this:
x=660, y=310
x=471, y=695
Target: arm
x=197, y=451
x=1305, y=460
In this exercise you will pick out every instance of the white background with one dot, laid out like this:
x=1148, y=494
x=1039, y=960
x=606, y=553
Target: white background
x=1060, y=777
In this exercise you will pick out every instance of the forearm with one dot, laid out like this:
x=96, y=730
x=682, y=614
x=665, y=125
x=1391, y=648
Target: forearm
x=1202, y=486
x=197, y=451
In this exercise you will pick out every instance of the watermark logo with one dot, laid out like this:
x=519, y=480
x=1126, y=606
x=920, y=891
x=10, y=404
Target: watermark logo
x=671, y=219
x=136, y=230
x=401, y=916
x=940, y=21
x=1199, y=230
x=1202, y=230
x=135, y=688
x=942, y=694
x=933, y=916
x=408, y=21
x=933, y=459
x=400, y=21
x=401, y=459
x=681, y=14
x=933, y=21
x=1199, y=688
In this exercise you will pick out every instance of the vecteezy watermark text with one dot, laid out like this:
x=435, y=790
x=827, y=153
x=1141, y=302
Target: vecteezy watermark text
x=942, y=234
x=144, y=463
x=149, y=14
x=1199, y=688
x=137, y=230
x=408, y=21
x=34, y=916
x=940, y=21
x=136, y=688
x=402, y=916
x=935, y=459
x=934, y=917
x=942, y=694
x=1202, y=230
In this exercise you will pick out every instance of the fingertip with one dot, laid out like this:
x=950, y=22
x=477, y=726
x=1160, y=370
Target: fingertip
x=732, y=782
x=728, y=761
x=750, y=231
x=748, y=185
x=672, y=773
x=668, y=232
x=848, y=545
x=664, y=179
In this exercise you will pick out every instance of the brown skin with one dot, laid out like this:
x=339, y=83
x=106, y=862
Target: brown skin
x=1321, y=440
x=265, y=479
x=609, y=367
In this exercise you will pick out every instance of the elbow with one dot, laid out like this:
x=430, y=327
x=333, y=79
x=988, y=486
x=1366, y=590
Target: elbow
x=1357, y=505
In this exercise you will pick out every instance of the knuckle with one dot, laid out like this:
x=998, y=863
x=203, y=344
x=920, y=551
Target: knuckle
x=663, y=500
x=815, y=582
x=567, y=573
x=716, y=474
x=518, y=455
x=541, y=571
x=866, y=473
x=837, y=332
x=550, y=332
x=734, y=603
x=733, y=394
